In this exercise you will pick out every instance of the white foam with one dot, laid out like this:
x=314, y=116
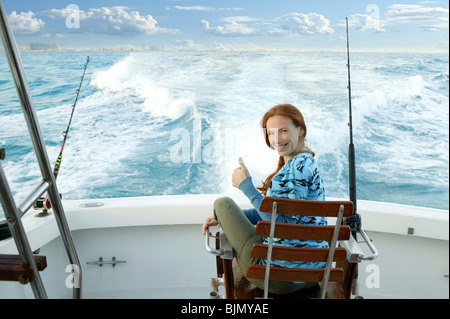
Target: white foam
x=410, y=123
x=132, y=77
x=120, y=143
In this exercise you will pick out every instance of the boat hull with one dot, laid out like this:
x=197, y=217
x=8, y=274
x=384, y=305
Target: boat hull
x=159, y=249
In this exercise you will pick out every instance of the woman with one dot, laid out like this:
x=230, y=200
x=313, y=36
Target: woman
x=296, y=177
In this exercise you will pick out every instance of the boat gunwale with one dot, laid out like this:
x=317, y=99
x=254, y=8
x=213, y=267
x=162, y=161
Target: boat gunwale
x=194, y=208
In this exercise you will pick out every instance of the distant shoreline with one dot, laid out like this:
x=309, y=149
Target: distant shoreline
x=219, y=50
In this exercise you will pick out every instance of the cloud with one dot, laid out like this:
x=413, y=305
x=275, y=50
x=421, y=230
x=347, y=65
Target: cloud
x=300, y=23
x=399, y=13
x=286, y=25
x=25, y=23
x=365, y=22
x=202, y=8
x=113, y=20
x=431, y=18
x=232, y=29
x=194, y=8
x=240, y=19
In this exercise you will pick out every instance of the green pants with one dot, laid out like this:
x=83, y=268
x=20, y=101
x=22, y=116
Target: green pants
x=241, y=235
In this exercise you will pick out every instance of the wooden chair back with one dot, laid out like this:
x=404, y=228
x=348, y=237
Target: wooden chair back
x=302, y=232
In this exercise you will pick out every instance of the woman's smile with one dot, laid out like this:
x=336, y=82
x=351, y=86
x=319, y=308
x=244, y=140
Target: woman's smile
x=281, y=147
x=284, y=136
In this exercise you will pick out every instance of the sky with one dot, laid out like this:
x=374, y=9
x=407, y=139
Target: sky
x=375, y=25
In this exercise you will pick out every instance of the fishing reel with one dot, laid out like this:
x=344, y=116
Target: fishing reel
x=43, y=204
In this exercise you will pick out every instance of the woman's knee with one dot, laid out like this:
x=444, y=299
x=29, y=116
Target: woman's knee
x=223, y=202
x=222, y=205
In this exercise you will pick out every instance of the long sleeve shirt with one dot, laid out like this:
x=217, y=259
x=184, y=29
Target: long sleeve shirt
x=299, y=178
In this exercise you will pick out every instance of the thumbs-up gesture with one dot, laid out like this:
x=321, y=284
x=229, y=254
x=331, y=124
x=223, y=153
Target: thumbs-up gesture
x=239, y=174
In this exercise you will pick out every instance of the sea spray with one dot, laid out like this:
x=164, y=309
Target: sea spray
x=134, y=104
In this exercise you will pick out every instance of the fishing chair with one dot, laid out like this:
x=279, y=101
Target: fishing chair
x=334, y=282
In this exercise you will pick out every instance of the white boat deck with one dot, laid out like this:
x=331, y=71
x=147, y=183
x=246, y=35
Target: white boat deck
x=161, y=241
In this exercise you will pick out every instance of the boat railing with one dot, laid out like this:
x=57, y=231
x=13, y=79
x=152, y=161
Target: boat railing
x=13, y=213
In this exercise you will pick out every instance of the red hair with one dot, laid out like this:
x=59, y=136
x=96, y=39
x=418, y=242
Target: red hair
x=296, y=117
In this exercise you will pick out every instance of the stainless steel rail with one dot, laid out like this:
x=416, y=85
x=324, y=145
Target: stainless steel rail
x=270, y=249
x=225, y=251
x=48, y=184
x=334, y=240
x=31, y=199
x=369, y=244
x=19, y=235
x=354, y=252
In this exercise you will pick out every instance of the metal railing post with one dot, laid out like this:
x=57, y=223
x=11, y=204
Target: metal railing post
x=29, y=112
x=19, y=235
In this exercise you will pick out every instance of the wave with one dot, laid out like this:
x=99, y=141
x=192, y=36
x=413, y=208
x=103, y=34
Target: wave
x=405, y=122
x=157, y=123
x=132, y=77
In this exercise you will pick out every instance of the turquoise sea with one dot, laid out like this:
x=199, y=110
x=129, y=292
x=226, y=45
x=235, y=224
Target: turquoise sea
x=175, y=122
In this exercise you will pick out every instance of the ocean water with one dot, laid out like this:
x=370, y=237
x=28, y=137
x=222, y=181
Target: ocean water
x=163, y=123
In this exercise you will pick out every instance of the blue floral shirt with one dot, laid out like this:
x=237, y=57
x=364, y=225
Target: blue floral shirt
x=299, y=178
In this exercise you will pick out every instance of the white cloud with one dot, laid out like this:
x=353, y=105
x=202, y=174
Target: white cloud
x=432, y=19
x=232, y=29
x=300, y=23
x=240, y=19
x=25, y=23
x=409, y=13
x=194, y=8
x=113, y=20
x=365, y=22
x=202, y=8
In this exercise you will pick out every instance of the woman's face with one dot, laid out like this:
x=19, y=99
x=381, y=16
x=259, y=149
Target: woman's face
x=284, y=136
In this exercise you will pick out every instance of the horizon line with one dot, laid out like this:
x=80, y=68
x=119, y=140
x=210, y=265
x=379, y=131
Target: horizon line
x=128, y=49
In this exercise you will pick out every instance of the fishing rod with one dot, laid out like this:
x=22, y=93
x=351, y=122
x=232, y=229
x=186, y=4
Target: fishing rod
x=43, y=203
x=355, y=220
x=66, y=132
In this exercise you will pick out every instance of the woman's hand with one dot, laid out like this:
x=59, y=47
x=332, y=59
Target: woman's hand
x=239, y=174
x=210, y=221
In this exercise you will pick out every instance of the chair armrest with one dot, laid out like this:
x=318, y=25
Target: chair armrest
x=225, y=251
x=354, y=251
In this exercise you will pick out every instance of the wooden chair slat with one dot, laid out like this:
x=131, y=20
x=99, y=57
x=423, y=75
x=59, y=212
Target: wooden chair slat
x=293, y=274
x=341, y=276
x=306, y=207
x=297, y=254
x=12, y=269
x=41, y=261
x=302, y=232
